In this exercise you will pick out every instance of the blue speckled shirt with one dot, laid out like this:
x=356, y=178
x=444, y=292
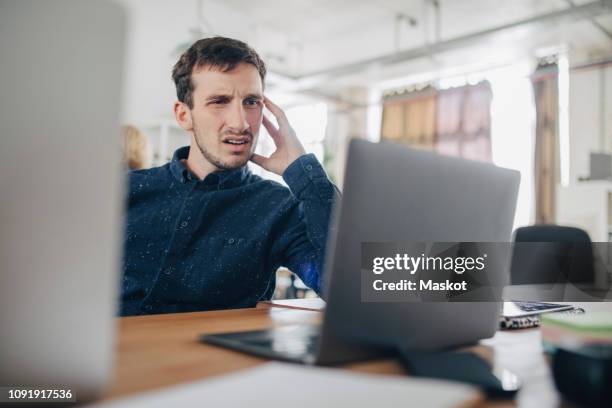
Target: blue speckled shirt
x=216, y=243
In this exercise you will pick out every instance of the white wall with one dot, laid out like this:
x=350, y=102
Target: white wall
x=590, y=121
x=156, y=31
x=152, y=38
x=588, y=204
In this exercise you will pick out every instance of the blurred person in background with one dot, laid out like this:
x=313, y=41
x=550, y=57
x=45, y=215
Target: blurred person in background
x=136, y=148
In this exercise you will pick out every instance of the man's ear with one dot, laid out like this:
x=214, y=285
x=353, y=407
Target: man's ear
x=182, y=113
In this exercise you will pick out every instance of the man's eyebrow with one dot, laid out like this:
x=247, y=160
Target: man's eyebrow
x=218, y=96
x=227, y=97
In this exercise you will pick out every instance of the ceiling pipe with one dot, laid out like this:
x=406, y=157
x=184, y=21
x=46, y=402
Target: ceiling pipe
x=594, y=22
x=306, y=81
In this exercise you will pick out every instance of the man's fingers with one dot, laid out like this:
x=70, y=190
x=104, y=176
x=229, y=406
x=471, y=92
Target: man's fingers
x=277, y=112
x=272, y=107
x=272, y=130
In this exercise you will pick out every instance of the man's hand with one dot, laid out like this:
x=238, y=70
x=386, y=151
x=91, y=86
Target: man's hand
x=288, y=147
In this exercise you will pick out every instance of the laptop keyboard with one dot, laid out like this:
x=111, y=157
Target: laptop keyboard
x=535, y=306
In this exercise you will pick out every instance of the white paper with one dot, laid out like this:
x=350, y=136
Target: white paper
x=293, y=386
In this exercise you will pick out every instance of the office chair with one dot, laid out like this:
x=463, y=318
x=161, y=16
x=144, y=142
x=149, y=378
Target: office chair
x=557, y=254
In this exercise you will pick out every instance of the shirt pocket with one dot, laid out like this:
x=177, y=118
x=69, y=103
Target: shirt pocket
x=231, y=270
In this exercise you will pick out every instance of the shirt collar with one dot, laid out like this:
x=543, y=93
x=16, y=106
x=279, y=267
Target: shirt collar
x=224, y=178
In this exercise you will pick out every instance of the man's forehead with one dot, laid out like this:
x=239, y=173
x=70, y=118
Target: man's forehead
x=244, y=78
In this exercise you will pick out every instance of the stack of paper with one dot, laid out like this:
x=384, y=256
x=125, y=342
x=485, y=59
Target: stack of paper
x=572, y=331
x=292, y=386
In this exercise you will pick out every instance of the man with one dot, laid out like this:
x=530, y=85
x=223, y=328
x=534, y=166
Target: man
x=203, y=232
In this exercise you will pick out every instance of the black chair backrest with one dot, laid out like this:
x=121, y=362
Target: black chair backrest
x=557, y=254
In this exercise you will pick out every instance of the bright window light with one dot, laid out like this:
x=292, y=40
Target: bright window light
x=564, y=143
x=512, y=132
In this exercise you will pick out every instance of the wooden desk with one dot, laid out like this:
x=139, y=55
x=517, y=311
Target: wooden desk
x=162, y=350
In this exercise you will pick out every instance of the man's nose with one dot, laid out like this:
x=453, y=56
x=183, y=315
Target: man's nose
x=236, y=119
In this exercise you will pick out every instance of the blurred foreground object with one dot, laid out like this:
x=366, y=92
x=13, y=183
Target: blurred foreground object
x=581, y=347
x=62, y=193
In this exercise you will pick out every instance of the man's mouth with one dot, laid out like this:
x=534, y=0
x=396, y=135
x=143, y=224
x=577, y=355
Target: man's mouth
x=237, y=140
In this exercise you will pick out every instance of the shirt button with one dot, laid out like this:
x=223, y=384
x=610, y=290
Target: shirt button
x=309, y=167
x=184, y=224
x=231, y=241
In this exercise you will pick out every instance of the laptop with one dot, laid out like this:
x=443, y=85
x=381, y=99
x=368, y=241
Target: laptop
x=395, y=194
x=62, y=192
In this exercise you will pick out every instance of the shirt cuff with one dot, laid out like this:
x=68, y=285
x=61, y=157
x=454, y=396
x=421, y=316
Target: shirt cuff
x=307, y=172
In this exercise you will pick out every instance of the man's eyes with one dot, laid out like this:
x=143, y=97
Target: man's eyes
x=252, y=102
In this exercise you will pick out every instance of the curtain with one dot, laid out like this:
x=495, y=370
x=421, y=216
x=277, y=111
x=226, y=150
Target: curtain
x=464, y=122
x=546, y=163
x=411, y=119
x=456, y=121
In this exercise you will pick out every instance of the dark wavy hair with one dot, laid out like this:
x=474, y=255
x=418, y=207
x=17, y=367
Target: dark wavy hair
x=219, y=52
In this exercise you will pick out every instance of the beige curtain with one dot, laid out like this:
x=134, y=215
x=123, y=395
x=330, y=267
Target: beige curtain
x=411, y=119
x=456, y=122
x=463, y=122
x=546, y=163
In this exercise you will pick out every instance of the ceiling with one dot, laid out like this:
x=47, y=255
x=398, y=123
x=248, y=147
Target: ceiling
x=330, y=47
x=324, y=36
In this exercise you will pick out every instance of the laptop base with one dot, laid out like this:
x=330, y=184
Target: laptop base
x=293, y=343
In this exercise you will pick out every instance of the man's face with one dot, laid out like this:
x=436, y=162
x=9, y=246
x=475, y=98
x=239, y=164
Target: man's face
x=227, y=113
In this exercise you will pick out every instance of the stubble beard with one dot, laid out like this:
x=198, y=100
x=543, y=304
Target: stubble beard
x=216, y=161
